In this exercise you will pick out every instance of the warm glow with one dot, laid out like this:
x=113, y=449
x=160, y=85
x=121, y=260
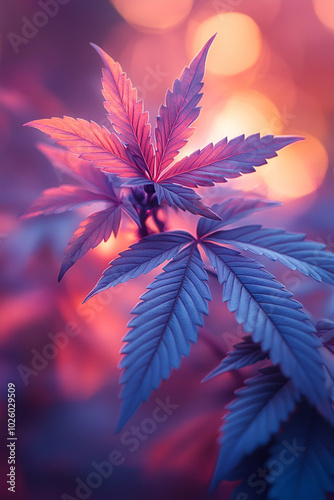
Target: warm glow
x=237, y=45
x=325, y=12
x=109, y=249
x=246, y=113
x=153, y=14
x=298, y=170
x=106, y=248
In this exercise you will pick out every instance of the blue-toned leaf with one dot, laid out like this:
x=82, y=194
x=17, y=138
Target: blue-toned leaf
x=245, y=353
x=308, y=257
x=165, y=323
x=252, y=483
x=141, y=258
x=307, y=446
x=231, y=211
x=61, y=199
x=130, y=210
x=261, y=407
x=183, y=198
x=181, y=110
x=226, y=159
x=325, y=330
x=90, y=233
x=328, y=360
x=275, y=320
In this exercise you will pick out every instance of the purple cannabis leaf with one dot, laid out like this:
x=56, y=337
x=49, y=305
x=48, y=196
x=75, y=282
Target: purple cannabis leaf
x=173, y=125
x=279, y=327
x=125, y=112
x=290, y=249
x=265, y=402
x=311, y=473
x=275, y=320
x=245, y=353
x=96, y=186
x=165, y=323
x=215, y=164
x=128, y=152
x=133, y=174
x=97, y=227
x=141, y=258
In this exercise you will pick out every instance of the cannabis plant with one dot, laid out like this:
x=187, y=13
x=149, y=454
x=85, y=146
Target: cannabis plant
x=137, y=176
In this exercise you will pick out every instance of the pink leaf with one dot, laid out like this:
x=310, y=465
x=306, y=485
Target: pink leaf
x=90, y=142
x=126, y=112
x=173, y=125
x=78, y=169
x=225, y=160
x=63, y=198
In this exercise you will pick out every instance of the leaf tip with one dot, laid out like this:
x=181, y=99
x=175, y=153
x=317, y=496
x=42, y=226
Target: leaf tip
x=212, y=38
x=208, y=377
x=296, y=138
x=62, y=271
x=95, y=47
x=89, y=296
x=214, y=484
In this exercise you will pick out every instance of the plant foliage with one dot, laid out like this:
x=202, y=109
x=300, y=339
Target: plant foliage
x=136, y=176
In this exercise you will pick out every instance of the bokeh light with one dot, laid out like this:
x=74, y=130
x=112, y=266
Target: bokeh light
x=153, y=15
x=237, y=46
x=325, y=12
x=297, y=170
x=246, y=113
x=270, y=70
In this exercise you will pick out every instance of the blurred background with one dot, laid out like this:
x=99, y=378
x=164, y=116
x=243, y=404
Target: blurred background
x=270, y=70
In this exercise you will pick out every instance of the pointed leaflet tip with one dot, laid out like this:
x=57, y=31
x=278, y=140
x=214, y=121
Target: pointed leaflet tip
x=98, y=50
x=61, y=273
x=204, y=50
x=31, y=124
x=181, y=109
x=209, y=42
x=125, y=112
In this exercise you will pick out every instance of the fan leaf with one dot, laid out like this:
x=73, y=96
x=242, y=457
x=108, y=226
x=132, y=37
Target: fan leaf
x=91, y=232
x=183, y=198
x=141, y=258
x=90, y=142
x=245, y=353
x=61, y=199
x=173, y=125
x=126, y=113
x=261, y=407
x=275, y=320
x=309, y=465
x=231, y=211
x=225, y=160
x=290, y=249
x=166, y=322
